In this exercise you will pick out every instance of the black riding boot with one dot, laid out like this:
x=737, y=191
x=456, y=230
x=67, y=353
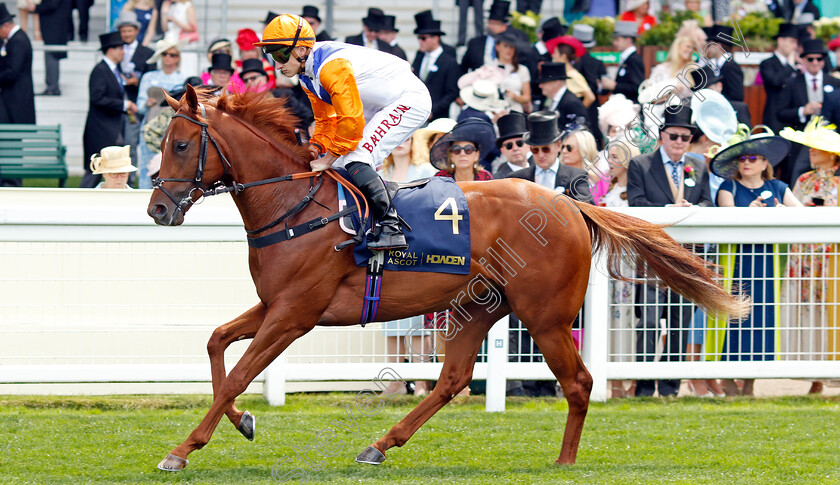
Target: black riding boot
x=373, y=188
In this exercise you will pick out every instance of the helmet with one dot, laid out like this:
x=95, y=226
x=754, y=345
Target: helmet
x=288, y=29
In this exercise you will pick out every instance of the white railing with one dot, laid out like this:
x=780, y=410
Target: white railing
x=93, y=291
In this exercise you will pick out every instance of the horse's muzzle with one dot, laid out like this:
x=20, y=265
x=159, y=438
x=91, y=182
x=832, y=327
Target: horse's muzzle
x=166, y=216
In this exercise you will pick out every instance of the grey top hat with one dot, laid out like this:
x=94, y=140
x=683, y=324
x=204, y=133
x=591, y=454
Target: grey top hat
x=127, y=18
x=585, y=34
x=624, y=28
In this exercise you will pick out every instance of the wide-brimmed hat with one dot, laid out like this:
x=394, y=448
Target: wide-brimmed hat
x=585, y=34
x=678, y=116
x=552, y=71
x=817, y=134
x=127, y=18
x=422, y=136
x=617, y=111
x=5, y=16
x=112, y=160
x=773, y=148
x=310, y=11
x=499, y=10
x=566, y=40
x=483, y=95
x=625, y=28
x=374, y=19
x=246, y=38
x=110, y=40
x=634, y=4
x=551, y=29
x=511, y=125
x=253, y=65
x=474, y=130
x=705, y=77
x=813, y=46
x=719, y=33
x=221, y=61
x=164, y=45
x=426, y=24
x=788, y=30
x=714, y=115
x=219, y=43
x=542, y=128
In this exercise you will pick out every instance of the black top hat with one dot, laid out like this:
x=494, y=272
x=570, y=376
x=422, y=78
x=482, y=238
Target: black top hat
x=719, y=33
x=773, y=148
x=499, y=10
x=552, y=71
x=253, y=65
x=511, y=125
x=679, y=116
x=705, y=77
x=426, y=24
x=788, y=30
x=813, y=46
x=221, y=61
x=272, y=15
x=310, y=11
x=543, y=128
x=109, y=40
x=389, y=23
x=374, y=19
x=5, y=16
x=473, y=130
x=552, y=28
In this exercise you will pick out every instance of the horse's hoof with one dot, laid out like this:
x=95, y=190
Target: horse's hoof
x=247, y=425
x=371, y=456
x=172, y=463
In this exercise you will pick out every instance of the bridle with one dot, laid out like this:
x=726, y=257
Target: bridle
x=227, y=184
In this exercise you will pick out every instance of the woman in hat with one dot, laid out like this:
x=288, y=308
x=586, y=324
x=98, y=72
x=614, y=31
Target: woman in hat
x=808, y=267
x=456, y=155
x=638, y=11
x=179, y=20
x=167, y=76
x=114, y=164
x=566, y=50
x=753, y=268
x=147, y=15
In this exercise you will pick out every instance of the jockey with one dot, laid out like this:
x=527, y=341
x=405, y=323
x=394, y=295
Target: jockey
x=365, y=102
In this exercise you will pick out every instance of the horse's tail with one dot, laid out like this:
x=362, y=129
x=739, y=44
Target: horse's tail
x=659, y=256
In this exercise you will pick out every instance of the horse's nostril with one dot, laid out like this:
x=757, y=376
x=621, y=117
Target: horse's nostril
x=159, y=210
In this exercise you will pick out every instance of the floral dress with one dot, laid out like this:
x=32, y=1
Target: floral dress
x=805, y=288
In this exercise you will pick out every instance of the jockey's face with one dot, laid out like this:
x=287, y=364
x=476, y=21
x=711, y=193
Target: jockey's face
x=293, y=65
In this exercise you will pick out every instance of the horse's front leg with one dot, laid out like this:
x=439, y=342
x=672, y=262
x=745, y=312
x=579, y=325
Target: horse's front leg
x=242, y=327
x=277, y=332
x=461, y=352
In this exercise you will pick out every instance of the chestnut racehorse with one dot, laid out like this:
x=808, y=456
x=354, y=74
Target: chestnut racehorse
x=529, y=245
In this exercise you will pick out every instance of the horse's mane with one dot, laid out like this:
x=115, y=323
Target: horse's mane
x=270, y=115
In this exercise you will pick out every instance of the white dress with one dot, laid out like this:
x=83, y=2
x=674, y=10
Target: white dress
x=179, y=11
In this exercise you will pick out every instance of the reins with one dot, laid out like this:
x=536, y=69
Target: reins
x=227, y=184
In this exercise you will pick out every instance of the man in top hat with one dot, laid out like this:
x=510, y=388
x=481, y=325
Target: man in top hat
x=388, y=34
x=310, y=14
x=803, y=98
x=221, y=70
x=17, y=94
x=543, y=138
x=481, y=49
x=721, y=56
x=108, y=104
x=254, y=76
x=558, y=98
x=631, y=68
x=436, y=67
x=550, y=29
x=56, y=29
x=371, y=25
x=515, y=153
x=668, y=177
x=776, y=71
x=705, y=78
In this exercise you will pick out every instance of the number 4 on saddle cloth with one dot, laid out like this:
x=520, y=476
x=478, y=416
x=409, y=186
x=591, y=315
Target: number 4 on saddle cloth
x=439, y=239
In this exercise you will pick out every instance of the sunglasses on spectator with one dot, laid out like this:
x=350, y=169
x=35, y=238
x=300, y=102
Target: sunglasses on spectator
x=422, y=37
x=568, y=148
x=814, y=59
x=750, y=158
x=544, y=149
x=509, y=145
x=171, y=54
x=457, y=149
x=251, y=78
x=280, y=53
x=675, y=137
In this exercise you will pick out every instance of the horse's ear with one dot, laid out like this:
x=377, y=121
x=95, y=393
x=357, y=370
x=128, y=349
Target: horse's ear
x=191, y=98
x=173, y=103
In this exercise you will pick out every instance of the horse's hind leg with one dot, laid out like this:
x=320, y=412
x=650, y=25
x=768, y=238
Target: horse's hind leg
x=242, y=327
x=557, y=346
x=461, y=352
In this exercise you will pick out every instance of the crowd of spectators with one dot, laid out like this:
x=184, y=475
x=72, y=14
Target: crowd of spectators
x=546, y=111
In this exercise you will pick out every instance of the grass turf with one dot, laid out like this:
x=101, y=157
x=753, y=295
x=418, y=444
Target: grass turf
x=120, y=439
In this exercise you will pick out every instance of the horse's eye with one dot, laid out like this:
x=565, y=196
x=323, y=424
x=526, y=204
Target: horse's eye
x=181, y=146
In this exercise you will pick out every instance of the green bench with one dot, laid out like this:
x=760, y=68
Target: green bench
x=32, y=151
